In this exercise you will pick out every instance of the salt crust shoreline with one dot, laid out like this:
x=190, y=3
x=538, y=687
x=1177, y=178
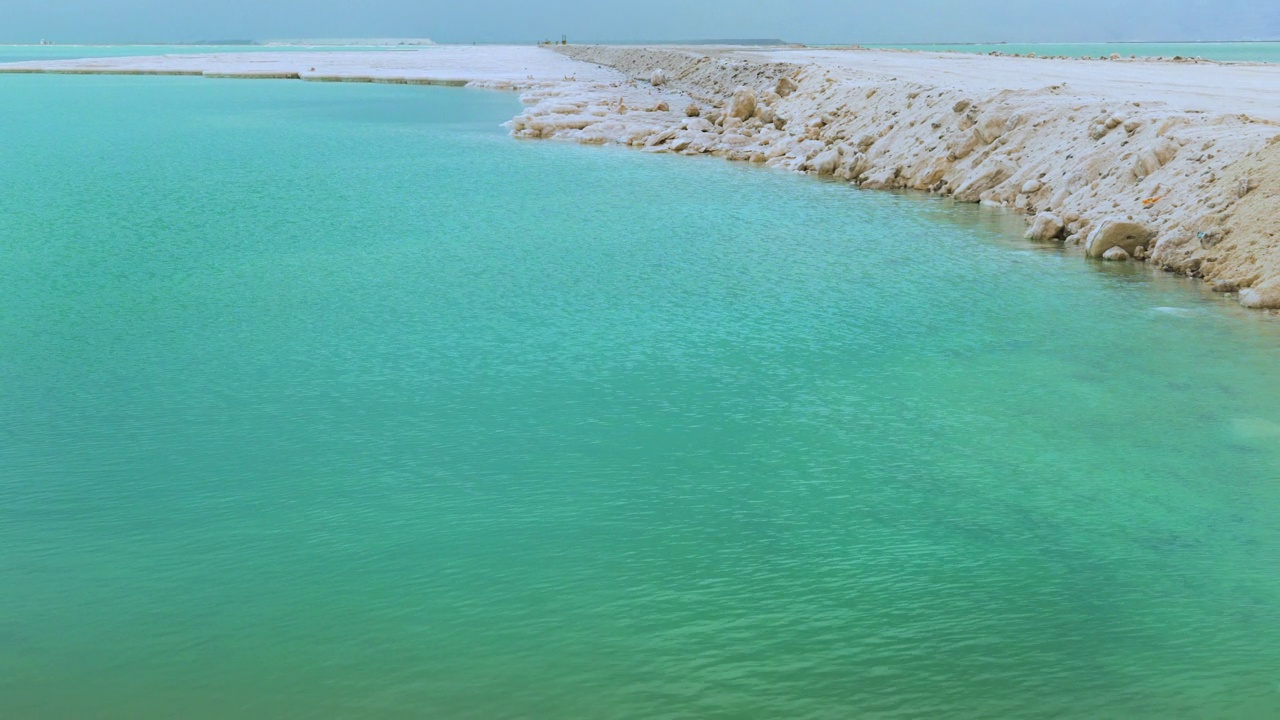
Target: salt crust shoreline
x=1174, y=164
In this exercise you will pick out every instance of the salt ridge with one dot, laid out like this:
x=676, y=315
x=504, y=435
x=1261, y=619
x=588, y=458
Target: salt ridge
x=1175, y=164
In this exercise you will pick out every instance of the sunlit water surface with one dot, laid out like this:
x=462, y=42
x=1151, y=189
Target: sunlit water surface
x=334, y=401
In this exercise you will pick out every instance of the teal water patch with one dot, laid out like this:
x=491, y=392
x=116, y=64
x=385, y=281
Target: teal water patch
x=24, y=53
x=1221, y=51
x=329, y=400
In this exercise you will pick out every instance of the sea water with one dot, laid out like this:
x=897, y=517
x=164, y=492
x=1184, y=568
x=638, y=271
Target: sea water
x=331, y=400
x=47, y=53
x=1220, y=51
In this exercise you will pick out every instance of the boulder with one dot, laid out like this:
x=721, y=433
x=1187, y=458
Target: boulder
x=1116, y=253
x=993, y=171
x=852, y=165
x=658, y=78
x=785, y=86
x=693, y=110
x=825, y=163
x=743, y=104
x=698, y=124
x=1047, y=226
x=1031, y=187
x=1115, y=232
x=992, y=124
x=962, y=145
x=1264, y=295
x=882, y=179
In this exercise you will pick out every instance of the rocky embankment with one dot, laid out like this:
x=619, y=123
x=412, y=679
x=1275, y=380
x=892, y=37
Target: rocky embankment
x=1190, y=191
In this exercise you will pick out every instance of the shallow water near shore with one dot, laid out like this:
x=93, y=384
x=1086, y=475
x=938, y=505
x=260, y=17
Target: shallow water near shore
x=331, y=400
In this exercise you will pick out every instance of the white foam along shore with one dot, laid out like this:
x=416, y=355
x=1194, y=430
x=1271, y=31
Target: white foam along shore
x=1177, y=164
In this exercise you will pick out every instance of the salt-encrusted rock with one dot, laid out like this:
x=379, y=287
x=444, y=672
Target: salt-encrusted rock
x=698, y=124
x=764, y=114
x=852, y=164
x=1047, y=226
x=1264, y=296
x=992, y=124
x=993, y=171
x=1031, y=187
x=962, y=146
x=785, y=86
x=881, y=179
x=661, y=137
x=810, y=148
x=825, y=163
x=1153, y=158
x=1115, y=232
x=1116, y=254
x=693, y=110
x=743, y=104
x=658, y=78
x=961, y=106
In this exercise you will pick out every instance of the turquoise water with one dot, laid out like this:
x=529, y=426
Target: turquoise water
x=23, y=53
x=333, y=401
x=1223, y=51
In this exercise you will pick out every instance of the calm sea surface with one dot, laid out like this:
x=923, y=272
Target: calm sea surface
x=1223, y=51
x=331, y=400
x=21, y=53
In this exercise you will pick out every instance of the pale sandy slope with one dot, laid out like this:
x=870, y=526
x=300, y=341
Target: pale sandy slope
x=1172, y=163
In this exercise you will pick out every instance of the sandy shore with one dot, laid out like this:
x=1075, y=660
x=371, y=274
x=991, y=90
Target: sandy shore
x=1176, y=164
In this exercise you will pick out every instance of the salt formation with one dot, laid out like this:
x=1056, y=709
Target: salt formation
x=1121, y=179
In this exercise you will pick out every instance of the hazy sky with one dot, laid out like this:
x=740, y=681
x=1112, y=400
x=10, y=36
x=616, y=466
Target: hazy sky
x=815, y=21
